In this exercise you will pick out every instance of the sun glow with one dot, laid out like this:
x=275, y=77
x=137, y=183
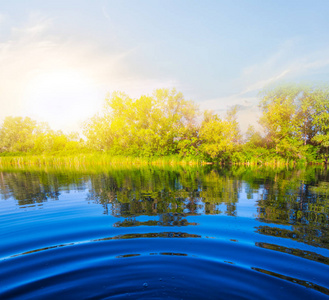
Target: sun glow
x=64, y=98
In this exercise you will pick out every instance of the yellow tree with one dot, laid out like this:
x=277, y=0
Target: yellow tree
x=219, y=137
x=16, y=134
x=147, y=126
x=280, y=120
x=321, y=121
x=295, y=119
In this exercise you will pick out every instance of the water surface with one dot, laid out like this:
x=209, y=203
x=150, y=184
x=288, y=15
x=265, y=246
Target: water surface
x=164, y=233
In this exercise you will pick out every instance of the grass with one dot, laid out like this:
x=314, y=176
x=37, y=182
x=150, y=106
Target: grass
x=94, y=159
x=91, y=159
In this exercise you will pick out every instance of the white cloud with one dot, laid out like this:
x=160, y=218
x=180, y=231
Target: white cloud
x=278, y=67
x=105, y=13
x=258, y=85
x=282, y=65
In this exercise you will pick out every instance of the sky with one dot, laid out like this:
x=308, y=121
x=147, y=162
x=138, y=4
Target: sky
x=59, y=59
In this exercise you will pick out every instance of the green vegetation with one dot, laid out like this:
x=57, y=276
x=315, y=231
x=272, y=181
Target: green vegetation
x=294, y=197
x=19, y=136
x=166, y=128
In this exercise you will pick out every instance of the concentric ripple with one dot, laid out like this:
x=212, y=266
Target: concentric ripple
x=74, y=248
x=157, y=267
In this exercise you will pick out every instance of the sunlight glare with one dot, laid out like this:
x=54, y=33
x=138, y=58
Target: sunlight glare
x=63, y=98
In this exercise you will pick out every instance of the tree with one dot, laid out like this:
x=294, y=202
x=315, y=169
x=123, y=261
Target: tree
x=19, y=134
x=147, y=126
x=279, y=119
x=219, y=137
x=16, y=134
x=254, y=138
x=321, y=121
x=295, y=119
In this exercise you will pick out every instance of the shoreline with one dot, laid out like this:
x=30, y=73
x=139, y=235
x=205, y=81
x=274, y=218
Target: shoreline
x=103, y=159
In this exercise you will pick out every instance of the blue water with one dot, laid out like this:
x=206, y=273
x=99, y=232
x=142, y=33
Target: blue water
x=164, y=234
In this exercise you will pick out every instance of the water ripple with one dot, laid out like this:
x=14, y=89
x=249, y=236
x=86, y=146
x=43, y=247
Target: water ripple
x=171, y=263
x=148, y=234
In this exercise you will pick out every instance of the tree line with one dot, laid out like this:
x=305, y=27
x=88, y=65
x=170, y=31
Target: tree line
x=20, y=135
x=294, y=126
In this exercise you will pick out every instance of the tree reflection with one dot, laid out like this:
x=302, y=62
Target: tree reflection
x=155, y=192
x=298, y=198
x=29, y=188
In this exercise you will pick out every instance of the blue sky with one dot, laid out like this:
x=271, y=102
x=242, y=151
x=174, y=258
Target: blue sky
x=58, y=59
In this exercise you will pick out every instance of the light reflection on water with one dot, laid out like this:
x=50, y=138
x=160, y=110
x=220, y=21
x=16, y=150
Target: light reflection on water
x=178, y=233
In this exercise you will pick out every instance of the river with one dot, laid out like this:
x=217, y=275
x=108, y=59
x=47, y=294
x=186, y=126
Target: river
x=164, y=233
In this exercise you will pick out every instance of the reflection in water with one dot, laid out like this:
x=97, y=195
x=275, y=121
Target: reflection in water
x=294, y=197
x=30, y=188
x=229, y=227
x=299, y=198
x=304, y=283
x=315, y=235
x=298, y=252
x=164, y=220
x=119, y=237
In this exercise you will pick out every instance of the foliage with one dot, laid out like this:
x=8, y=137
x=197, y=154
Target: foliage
x=16, y=134
x=219, y=137
x=168, y=128
x=25, y=135
x=148, y=126
x=295, y=118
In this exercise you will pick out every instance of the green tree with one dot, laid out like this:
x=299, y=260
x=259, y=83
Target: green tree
x=19, y=134
x=48, y=140
x=321, y=121
x=147, y=126
x=280, y=120
x=254, y=138
x=219, y=137
x=16, y=134
x=295, y=119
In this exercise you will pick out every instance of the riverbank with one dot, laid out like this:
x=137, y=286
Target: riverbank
x=93, y=159
x=104, y=159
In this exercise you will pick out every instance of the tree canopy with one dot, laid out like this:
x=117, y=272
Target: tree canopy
x=147, y=126
x=19, y=134
x=294, y=120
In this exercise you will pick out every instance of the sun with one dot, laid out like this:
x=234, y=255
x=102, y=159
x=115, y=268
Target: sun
x=63, y=97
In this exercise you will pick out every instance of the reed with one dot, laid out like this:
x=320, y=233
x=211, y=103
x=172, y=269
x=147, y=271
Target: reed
x=91, y=159
x=94, y=159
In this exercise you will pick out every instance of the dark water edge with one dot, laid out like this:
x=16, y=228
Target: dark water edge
x=165, y=233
